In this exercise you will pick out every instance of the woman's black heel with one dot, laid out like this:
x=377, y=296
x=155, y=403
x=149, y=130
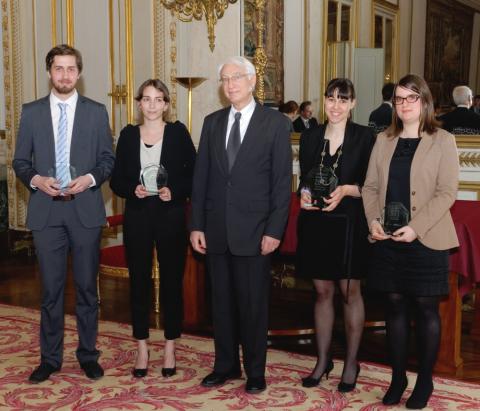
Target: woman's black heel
x=141, y=372
x=309, y=381
x=347, y=387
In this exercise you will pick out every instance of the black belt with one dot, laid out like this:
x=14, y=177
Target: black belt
x=65, y=197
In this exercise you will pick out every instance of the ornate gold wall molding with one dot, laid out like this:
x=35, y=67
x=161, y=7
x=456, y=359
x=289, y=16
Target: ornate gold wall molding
x=173, y=70
x=159, y=57
x=260, y=57
x=129, y=58
x=70, y=23
x=469, y=159
x=13, y=86
x=187, y=10
x=53, y=14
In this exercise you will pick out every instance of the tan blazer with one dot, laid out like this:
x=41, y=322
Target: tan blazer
x=433, y=186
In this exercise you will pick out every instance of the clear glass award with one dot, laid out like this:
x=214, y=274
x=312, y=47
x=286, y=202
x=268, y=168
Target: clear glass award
x=64, y=175
x=395, y=215
x=321, y=181
x=153, y=177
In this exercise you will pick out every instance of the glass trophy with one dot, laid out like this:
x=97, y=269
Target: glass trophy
x=153, y=177
x=321, y=181
x=64, y=181
x=395, y=215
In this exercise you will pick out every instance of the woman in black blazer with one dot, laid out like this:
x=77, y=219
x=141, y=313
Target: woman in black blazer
x=154, y=219
x=332, y=238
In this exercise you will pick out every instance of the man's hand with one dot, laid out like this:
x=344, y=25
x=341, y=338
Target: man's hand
x=197, y=239
x=79, y=185
x=405, y=234
x=48, y=185
x=269, y=244
x=165, y=194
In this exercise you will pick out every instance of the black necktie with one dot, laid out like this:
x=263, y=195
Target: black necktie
x=233, y=141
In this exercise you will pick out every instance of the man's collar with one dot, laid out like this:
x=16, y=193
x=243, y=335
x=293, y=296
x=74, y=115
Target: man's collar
x=71, y=101
x=247, y=109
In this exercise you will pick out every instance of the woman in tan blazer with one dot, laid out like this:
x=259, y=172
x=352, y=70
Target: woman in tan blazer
x=413, y=163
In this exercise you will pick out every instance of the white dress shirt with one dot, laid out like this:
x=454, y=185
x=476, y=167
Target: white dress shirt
x=71, y=103
x=247, y=112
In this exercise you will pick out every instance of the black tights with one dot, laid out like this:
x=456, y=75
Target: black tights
x=354, y=317
x=427, y=330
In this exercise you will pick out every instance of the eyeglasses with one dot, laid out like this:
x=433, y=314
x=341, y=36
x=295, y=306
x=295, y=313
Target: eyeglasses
x=411, y=98
x=234, y=78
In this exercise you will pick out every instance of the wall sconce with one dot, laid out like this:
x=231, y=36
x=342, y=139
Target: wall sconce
x=186, y=10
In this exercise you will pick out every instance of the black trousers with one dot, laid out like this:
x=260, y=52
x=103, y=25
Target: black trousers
x=162, y=226
x=63, y=233
x=240, y=298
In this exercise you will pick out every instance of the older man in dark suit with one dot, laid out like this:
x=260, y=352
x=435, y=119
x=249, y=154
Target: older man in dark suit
x=240, y=200
x=461, y=120
x=63, y=155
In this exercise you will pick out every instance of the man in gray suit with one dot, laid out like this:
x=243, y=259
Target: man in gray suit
x=240, y=199
x=63, y=155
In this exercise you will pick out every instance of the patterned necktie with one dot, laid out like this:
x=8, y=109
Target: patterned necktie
x=62, y=173
x=233, y=141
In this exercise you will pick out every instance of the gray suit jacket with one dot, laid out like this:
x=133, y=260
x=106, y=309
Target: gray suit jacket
x=235, y=209
x=90, y=152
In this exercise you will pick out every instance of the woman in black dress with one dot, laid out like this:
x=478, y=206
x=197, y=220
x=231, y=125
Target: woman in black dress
x=414, y=163
x=154, y=218
x=332, y=239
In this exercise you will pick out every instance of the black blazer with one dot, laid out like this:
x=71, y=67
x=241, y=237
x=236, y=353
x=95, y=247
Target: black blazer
x=236, y=209
x=461, y=121
x=357, y=146
x=299, y=125
x=178, y=157
x=381, y=117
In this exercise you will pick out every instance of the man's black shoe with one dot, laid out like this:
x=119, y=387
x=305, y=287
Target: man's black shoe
x=215, y=378
x=255, y=385
x=92, y=369
x=42, y=373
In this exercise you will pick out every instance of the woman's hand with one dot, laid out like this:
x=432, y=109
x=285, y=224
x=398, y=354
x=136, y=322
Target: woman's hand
x=165, y=194
x=405, y=234
x=140, y=191
x=377, y=233
x=306, y=201
x=336, y=197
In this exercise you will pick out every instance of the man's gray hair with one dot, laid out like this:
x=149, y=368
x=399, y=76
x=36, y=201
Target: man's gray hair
x=462, y=95
x=238, y=61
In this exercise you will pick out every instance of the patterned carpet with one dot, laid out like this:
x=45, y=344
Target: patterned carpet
x=71, y=390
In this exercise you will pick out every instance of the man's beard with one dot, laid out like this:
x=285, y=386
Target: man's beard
x=63, y=89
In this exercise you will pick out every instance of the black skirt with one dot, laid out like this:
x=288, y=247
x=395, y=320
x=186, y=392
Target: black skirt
x=408, y=268
x=331, y=246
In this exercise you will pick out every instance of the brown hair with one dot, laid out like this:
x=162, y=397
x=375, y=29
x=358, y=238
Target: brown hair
x=343, y=87
x=160, y=86
x=63, y=50
x=288, y=107
x=156, y=83
x=428, y=123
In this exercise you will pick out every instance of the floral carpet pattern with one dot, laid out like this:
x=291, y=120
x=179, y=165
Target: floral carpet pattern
x=69, y=389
